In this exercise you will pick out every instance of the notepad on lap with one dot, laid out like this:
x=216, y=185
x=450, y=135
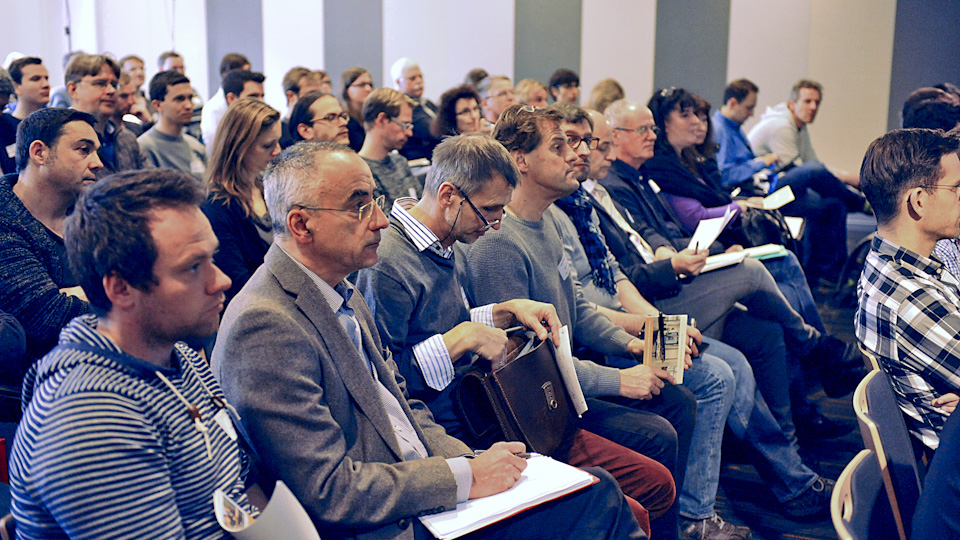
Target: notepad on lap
x=544, y=479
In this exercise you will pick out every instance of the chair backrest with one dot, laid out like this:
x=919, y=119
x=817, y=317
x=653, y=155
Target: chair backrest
x=859, y=506
x=869, y=359
x=885, y=433
x=8, y=527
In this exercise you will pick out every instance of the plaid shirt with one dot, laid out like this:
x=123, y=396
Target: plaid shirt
x=908, y=316
x=948, y=251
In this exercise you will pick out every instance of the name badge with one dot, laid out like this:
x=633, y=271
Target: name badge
x=197, y=167
x=564, y=267
x=654, y=186
x=12, y=151
x=226, y=424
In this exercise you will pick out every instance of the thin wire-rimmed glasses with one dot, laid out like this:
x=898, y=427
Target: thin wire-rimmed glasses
x=363, y=213
x=487, y=225
x=642, y=130
x=954, y=189
x=331, y=118
x=406, y=126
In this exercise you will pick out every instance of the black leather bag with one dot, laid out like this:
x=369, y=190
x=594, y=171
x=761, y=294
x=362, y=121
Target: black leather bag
x=760, y=227
x=524, y=399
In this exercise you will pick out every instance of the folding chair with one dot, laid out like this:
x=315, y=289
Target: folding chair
x=8, y=528
x=859, y=506
x=885, y=433
x=869, y=360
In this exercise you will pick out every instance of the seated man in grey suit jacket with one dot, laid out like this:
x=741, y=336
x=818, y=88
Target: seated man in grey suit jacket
x=323, y=404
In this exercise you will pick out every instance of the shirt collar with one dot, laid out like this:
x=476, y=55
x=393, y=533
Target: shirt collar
x=912, y=261
x=335, y=296
x=421, y=236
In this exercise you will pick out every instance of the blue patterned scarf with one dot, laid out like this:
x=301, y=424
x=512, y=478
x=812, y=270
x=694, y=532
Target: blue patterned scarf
x=577, y=206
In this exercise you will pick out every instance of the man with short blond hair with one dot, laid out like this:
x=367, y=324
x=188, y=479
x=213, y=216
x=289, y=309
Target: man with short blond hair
x=388, y=119
x=92, y=81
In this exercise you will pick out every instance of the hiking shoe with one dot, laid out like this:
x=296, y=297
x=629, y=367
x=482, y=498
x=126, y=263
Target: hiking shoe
x=812, y=503
x=712, y=528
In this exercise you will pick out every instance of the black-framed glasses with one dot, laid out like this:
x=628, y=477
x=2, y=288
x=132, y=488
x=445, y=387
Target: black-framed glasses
x=642, y=130
x=332, y=117
x=487, y=225
x=363, y=212
x=407, y=126
x=574, y=142
x=472, y=110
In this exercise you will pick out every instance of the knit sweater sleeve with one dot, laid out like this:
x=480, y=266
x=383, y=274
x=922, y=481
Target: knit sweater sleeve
x=498, y=268
x=30, y=293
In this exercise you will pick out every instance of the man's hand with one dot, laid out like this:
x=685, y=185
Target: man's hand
x=496, y=469
x=688, y=262
x=642, y=381
x=635, y=347
x=733, y=248
x=632, y=323
x=947, y=402
x=532, y=315
x=696, y=338
x=663, y=253
x=770, y=159
x=75, y=291
x=488, y=343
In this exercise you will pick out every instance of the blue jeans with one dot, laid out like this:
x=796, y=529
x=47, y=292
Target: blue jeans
x=712, y=382
x=751, y=421
x=792, y=282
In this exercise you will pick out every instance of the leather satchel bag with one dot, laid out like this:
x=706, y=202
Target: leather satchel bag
x=521, y=399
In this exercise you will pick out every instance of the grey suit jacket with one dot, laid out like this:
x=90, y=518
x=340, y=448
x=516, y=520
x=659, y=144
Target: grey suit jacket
x=312, y=413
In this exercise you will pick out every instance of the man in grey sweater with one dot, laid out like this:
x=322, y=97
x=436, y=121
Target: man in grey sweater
x=166, y=144
x=526, y=259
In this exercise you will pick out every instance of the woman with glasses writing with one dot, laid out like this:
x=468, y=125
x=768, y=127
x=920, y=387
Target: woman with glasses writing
x=247, y=139
x=357, y=85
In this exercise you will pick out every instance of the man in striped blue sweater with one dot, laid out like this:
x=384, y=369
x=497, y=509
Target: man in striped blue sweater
x=126, y=433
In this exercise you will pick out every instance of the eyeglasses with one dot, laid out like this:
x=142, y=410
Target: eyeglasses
x=574, y=142
x=642, y=130
x=472, y=110
x=362, y=85
x=954, y=189
x=363, y=212
x=407, y=126
x=102, y=83
x=332, y=117
x=487, y=225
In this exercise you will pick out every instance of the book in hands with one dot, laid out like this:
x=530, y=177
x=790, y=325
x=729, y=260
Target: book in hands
x=544, y=480
x=568, y=372
x=708, y=230
x=665, y=343
x=776, y=200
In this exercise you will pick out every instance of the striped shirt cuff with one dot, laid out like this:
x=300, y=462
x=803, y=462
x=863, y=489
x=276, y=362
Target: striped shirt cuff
x=483, y=315
x=434, y=360
x=463, y=474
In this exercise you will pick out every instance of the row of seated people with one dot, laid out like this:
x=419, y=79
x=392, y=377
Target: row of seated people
x=310, y=192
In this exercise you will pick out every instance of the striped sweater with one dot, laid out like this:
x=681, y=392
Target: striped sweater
x=107, y=450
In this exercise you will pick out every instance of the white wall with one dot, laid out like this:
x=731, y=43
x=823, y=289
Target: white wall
x=448, y=38
x=292, y=36
x=773, y=55
x=43, y=37
x=851, y=52
x=149, y=27
x=617, y=40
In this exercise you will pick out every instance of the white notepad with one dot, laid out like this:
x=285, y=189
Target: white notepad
x=544, y=479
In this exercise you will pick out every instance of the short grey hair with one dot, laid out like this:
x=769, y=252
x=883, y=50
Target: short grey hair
x=397, y=68
x=616, y=111
x=291, y=178
x=469, y=161
x=483, y=87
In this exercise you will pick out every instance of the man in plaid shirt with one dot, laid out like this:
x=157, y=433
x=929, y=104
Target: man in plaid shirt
x=908, y=314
